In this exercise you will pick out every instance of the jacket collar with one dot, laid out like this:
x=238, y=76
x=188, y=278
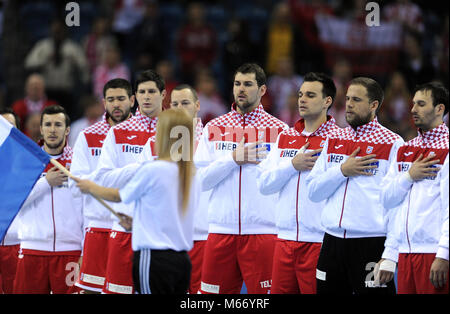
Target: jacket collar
x=299, y=126
x=366, y=128
x=147, y=121
x=434, y=134
x=249, y=116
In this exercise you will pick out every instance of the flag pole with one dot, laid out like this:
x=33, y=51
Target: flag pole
x=63, y=169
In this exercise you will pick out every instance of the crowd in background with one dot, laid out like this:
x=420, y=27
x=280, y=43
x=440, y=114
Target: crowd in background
x=44, y=61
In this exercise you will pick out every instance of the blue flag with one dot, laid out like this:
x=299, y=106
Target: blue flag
x=21, y=163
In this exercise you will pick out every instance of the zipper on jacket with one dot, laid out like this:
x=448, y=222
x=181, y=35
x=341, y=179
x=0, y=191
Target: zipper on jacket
x=240, y=176
x=407, y=218
x=54, y=225
x=296, y=204
x=240, y=185
x=343, y=205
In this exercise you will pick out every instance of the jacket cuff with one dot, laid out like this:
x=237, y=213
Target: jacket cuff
x=288, y=168
x=442, y=252
x=405, y=181
x=390, y=253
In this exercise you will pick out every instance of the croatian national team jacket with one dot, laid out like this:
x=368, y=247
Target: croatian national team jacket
x=86, y=153
x=236, y=206
x=49, y=220
x=352, y=205
x=201, y=213
x=423, y=205
x=120, y=156
x=298, y=218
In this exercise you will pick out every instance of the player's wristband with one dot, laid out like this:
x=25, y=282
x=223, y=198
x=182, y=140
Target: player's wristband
x=388, y=265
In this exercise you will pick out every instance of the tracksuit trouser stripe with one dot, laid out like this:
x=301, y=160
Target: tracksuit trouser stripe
x=144, y=271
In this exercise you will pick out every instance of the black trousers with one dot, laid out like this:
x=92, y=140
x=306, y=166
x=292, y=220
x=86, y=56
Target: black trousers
x=346, y=266
x=161, y=271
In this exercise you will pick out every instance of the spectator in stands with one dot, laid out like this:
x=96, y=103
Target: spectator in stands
x=196, y=42
x=34, y=101
x=283, y=83
x=414, y=65
x=238, y=49
x=33, y=126
x=442, y=52
x=110, y=68
x=146, y=34
x=165, y=68
x=304, y=16
x=407, y=13
x=127, y=14
x=211, y=100
x=93, y=110
x=59, y=58
x=96, y=41
x=395, y=112
x=342, y=75
x=289, y=113
x=283, y=38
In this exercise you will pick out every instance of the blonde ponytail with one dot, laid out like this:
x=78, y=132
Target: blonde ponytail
x=178, y=148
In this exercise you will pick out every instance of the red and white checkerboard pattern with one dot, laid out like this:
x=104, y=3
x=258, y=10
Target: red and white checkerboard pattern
x=257, y=118
x=372, y=132
x=101, y=127
x=324, y=130
x=436, y=138
x=139, y=123
x=67, y=153
x=198, y=130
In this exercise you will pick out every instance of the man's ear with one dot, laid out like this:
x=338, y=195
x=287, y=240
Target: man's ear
x=263, y=90
x=374, y=105
x=197, y=105
x=439, y=109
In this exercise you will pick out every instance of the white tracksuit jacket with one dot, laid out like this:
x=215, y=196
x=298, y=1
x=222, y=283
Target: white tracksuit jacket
x=120, y=157
x=422, y=216
x=236, y=206
x=201, y=212
x=352, y=208
x=298, y=218
x=86, y=153
x=49, y=219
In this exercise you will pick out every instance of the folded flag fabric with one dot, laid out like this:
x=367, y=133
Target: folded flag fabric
x=21, y=163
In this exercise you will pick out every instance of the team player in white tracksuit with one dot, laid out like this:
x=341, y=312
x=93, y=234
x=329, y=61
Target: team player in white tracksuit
x=118, y=100
x=284, y=172
x=184, y=96
x=50, y=222
x=419, y=239
x=241, y=220
x=165, y=193
x=118, y=162
x=347, y=175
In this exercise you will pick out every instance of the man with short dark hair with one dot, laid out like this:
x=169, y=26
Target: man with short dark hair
x=347, y=176
x=121, y=151
x=50, y=225
x=118, y=99
x=284, y=172
x=241, y=220
x=417, y=184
